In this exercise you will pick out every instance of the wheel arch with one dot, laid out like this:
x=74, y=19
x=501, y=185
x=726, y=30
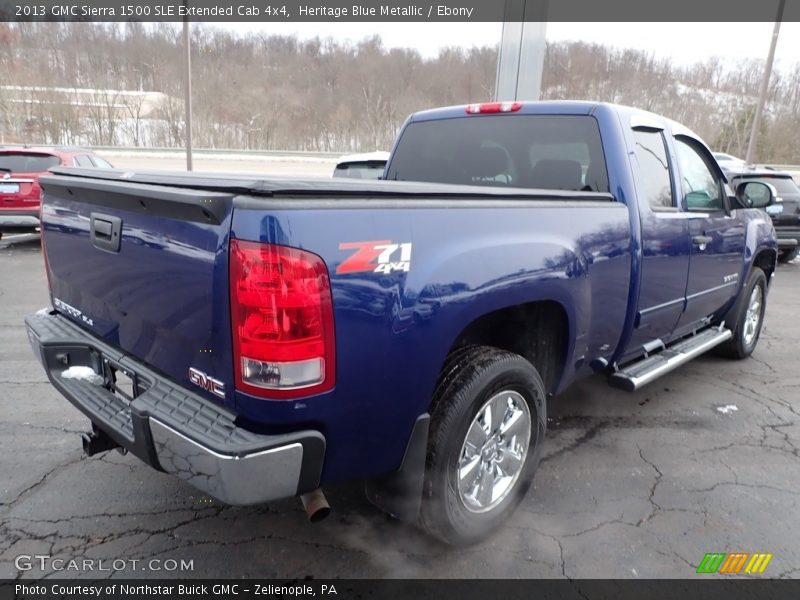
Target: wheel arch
x=766, y=259
x=539, y=331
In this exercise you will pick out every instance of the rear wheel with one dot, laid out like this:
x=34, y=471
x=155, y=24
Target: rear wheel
x=487, y=426
x=747, y=318
x=788, y=255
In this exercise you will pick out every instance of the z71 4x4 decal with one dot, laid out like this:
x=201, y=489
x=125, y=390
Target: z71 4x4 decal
x=380, y=256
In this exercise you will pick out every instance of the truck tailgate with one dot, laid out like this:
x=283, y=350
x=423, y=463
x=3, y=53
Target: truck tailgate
x=145, y=268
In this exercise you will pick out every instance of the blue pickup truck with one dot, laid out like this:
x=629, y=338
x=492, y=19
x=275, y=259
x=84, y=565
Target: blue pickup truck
x=262, y=337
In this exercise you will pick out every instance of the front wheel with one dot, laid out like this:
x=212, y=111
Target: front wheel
x=748, y=317
x=487, y=426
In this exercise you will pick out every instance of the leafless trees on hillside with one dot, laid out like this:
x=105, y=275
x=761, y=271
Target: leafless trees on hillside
x=265, y=91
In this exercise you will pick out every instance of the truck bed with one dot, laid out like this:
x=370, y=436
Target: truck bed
x=163, y=299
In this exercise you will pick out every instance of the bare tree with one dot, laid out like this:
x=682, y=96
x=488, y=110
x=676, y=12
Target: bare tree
x=262, y=91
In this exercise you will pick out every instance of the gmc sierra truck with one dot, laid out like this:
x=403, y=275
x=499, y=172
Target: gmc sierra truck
x=262, y=337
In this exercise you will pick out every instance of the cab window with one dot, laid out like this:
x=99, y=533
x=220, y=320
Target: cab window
x=549, y=152
x=701, y=187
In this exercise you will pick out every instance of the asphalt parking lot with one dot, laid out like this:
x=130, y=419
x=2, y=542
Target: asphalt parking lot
x=631, y=485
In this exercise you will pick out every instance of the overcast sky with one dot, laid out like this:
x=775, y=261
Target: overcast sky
x=684, y=43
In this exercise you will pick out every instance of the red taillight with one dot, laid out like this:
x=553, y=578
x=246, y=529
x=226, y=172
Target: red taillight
x=493, y=107
x=282, y=318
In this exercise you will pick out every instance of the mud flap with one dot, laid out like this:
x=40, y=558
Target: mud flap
x=400, y=493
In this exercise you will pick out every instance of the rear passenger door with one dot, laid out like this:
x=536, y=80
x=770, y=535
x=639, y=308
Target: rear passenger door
x=716, y=236
x=665, y=241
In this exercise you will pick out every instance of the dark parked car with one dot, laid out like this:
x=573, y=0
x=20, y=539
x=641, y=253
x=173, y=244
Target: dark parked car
x=20, y=168
x=728, y=161
x=785, y=211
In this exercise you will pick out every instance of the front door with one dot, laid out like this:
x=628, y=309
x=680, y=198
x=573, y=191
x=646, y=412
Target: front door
x=716, y=238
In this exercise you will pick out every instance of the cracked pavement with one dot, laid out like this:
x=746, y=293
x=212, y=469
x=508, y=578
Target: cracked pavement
x=630, y=485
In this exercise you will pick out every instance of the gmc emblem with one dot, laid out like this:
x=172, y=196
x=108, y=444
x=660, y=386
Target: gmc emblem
x=200, y=379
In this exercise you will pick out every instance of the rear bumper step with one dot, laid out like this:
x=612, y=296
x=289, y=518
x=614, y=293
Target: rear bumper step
x=173, y=429
x=646, y=370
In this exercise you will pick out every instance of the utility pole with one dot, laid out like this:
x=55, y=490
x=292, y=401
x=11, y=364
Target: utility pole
x=188, y=90
x=762, y=97
x=521, y=58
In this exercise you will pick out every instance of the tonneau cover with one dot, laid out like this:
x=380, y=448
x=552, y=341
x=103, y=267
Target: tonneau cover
x=259, y=184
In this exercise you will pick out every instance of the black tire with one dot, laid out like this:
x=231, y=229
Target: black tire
x=786, y=256
x=471, y=377
x=738, y=346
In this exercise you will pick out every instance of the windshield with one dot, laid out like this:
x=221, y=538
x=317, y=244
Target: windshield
x=27, y=163
x=556, y=152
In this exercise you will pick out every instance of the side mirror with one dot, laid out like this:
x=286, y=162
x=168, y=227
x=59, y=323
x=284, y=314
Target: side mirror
x=755, y=194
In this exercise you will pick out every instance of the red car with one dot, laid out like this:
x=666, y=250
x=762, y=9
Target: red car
x=20, y=168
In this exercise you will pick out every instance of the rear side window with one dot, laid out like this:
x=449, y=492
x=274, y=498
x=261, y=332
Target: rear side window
x=19, y=162
x=554, y=152
x=653, y=168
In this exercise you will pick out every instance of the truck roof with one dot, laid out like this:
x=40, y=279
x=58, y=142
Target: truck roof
x=634, y=116
x=563, y=107
x=554, y=107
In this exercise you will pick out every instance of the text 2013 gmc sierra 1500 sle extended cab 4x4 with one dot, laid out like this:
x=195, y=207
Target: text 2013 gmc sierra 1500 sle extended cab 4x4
x=278, y=335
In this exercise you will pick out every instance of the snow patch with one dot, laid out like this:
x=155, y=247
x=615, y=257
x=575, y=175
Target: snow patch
x=83, y=374
x=727, y=409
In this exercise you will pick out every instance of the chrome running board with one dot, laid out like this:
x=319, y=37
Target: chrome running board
x=640, y=373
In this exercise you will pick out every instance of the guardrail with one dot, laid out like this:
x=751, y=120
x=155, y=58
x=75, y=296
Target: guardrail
x=154, y=150
x=235, y=152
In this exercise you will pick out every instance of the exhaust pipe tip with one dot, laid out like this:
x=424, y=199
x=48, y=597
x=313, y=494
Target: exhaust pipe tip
x=86, y=442
x=97, y=441
x=315, y=505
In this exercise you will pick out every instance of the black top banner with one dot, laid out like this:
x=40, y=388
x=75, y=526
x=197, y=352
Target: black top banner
x=401, y=10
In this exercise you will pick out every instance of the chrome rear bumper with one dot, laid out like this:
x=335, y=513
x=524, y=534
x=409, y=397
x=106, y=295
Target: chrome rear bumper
x=249, y=479
x=173, y=429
